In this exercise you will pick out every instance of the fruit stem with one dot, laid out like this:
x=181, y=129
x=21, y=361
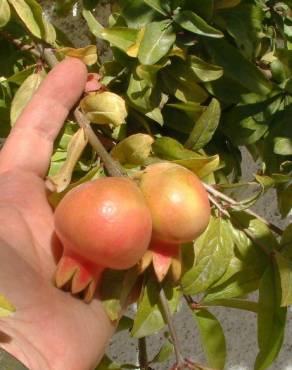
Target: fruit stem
x=172, y=330
x=217, y=194
x=143, y=358
x=113, y=167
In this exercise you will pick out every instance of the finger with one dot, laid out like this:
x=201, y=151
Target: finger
x=30, y=143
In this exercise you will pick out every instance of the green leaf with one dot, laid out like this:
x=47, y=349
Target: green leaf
x=160, y=6
x=125, y=323
x=107, y=364
x=202, y=166
x=229, y=96
x=116, y=286
x=203, y=70
x=157, y=41
x=149, y=72
x=240, y=284
x=235, y=66
x=282, y=133
x=134, y=150
x=30, y=12
x=149, y=318
x=203, y=8
x=285, y=271
x=164, y=353
x=94, y=26
x=222, y=4
x=20, y=76
x=285, y=200
x=120, y=37
x=24, y=94
x=286, y=241
x=4, y=13
x=171, y=150
x=212, y=337
x=181, y=81
x=62, y=7
x=244, y=24
x=213, y=251
x=205, y=127
x=271, y=319
x=145, y=98
x=245, y=124
x=240, y=304
x=193, y=23
x=6, y=308
x=137, y=13
x=248, y=263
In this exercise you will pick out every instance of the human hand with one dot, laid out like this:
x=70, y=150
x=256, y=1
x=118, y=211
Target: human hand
x=51, y=330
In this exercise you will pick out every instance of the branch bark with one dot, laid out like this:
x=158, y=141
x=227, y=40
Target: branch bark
x=113, y=167
x=217, y=194
x=143, y=358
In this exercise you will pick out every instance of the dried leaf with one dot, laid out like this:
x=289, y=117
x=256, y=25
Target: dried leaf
x=24, y=95
x=87, y=54
x=104, y=108
x=75, y=148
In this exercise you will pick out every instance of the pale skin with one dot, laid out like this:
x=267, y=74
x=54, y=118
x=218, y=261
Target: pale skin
x=51, y=330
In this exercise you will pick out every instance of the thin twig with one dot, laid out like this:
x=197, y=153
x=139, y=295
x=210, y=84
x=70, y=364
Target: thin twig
x=172, y=330
x=49, y=57
x=248, y=233
x=23, y=47
x=38, y=50
x=112, y=166
x=211, y=190
x=143, y=358
x=221, y=209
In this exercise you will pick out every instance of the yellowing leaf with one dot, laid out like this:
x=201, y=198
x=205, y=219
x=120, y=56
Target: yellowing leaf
x=75, y=148
x=6, y=308
x=24, y=95
x=50, y=32
x=134, y=149
x=178, y=52
x=104, y=108
x=133, y=50
x=203, y=166
x=4, y=12
x=87, y=54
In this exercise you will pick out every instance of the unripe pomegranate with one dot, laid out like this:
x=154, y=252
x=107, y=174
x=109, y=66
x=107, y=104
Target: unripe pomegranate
x=102, y=224
x=179, y=207
x=177, y=200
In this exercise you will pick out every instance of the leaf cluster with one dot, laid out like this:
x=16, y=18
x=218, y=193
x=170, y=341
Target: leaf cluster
x=191, y=82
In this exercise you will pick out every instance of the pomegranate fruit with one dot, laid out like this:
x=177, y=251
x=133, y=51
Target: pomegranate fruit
x=179, y=207
x=102, y=224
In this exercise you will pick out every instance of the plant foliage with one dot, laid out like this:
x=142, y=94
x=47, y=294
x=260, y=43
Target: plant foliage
x=189, y=82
